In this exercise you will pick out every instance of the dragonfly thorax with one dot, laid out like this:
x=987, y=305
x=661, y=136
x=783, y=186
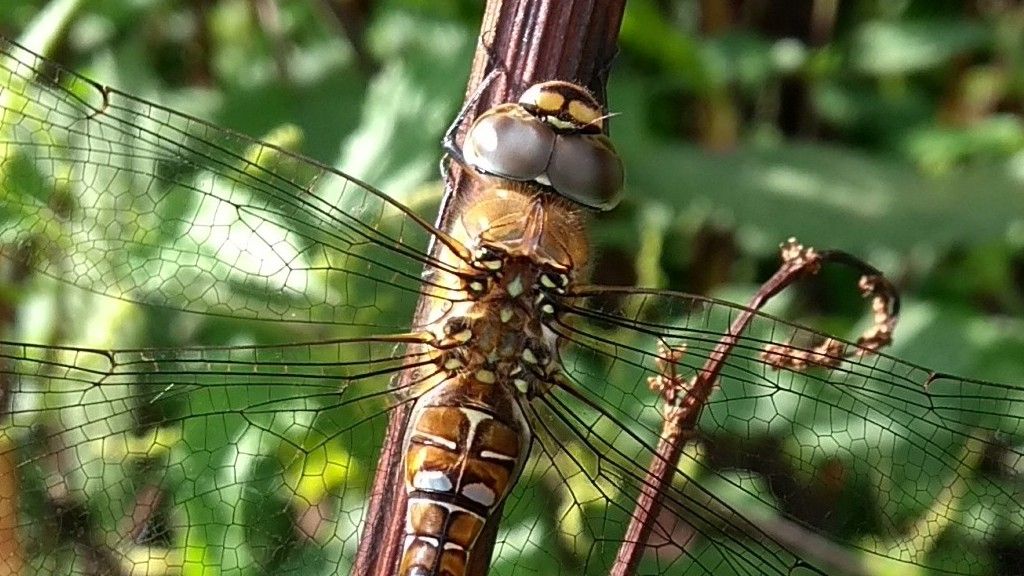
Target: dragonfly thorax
x=507, y=220
x=498, y=335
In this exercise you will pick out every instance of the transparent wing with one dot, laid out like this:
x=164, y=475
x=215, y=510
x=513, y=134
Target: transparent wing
x=129, y=199
x=148, y=461
x=241, y=458
x=873, y=466
x=262, y=456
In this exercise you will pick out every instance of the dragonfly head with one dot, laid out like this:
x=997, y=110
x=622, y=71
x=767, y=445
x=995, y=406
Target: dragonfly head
x=553, y=136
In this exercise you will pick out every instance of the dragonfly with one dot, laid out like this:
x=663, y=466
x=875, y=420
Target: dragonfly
x=258, y=458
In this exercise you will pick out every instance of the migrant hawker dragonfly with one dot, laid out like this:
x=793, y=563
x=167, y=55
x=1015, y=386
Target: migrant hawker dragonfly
x=257, y=457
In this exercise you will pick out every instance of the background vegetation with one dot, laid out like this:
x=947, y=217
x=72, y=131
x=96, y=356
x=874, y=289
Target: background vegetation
x=890, y=129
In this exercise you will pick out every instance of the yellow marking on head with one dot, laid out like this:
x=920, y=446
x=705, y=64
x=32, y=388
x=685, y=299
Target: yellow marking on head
x=584, y=114
x=549, y=102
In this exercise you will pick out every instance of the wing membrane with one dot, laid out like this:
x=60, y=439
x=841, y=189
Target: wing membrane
x=136, y=454
x=786, y=465
x=141, y=203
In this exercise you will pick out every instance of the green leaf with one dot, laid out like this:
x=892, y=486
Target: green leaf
x=904, y=47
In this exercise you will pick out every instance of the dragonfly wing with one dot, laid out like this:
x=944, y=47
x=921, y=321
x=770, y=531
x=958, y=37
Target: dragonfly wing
x=126, y=198
x=237, y=457
x=873, y=462
x=130, y=458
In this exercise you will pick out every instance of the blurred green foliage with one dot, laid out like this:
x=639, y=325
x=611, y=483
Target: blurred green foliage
x=893, y=130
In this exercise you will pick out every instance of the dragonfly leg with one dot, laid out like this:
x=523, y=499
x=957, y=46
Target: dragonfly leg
x=449, y=146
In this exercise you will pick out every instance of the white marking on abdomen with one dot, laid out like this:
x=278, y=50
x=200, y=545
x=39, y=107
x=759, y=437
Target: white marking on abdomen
x=479, y=493
x=446, y=505
x=475, y=417
x=430, y=540
x=432, y=481
x=492, y=455
x=444, y=442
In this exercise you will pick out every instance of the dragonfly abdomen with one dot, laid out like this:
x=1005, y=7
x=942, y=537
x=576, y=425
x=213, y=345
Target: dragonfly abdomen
x=464, y=449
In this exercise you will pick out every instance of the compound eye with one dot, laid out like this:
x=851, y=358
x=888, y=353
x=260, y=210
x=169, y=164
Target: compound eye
x=510, y=143
x=586, y=168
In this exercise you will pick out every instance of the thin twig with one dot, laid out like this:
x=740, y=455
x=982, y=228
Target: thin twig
x=685, y=398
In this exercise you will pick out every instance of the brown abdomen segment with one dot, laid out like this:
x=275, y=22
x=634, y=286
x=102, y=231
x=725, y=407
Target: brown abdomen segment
x=461, y=461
